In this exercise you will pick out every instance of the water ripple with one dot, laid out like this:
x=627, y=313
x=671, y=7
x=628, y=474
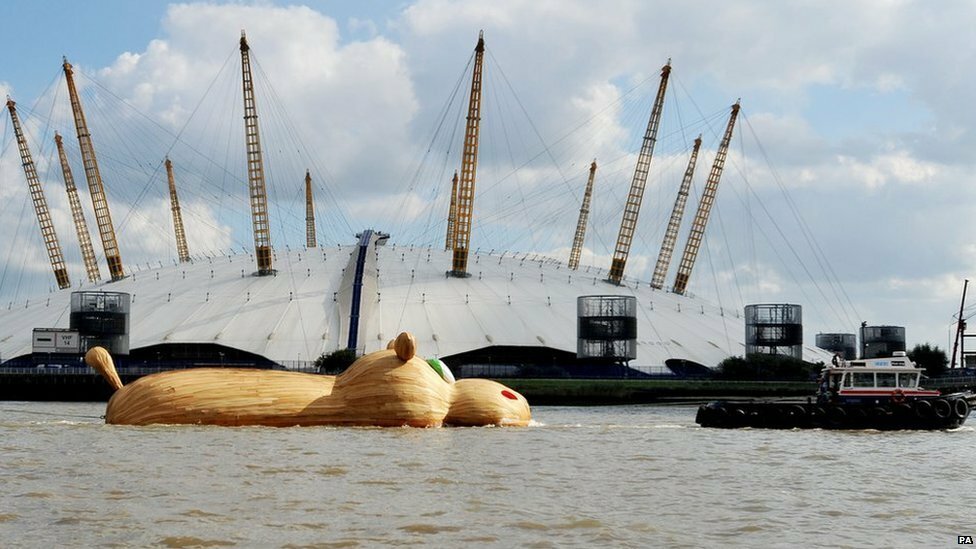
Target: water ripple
x=586, y=477
x=190, y=541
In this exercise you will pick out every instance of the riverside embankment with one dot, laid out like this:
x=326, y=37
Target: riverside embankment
x=84, y=385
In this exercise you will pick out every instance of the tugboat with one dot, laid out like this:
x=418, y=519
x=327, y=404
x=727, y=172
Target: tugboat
x=880, y=393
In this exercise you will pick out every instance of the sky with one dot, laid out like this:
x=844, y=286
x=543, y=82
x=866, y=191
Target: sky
x=848, y=187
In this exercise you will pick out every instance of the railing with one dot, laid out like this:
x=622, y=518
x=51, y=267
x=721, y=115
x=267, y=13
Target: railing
x=953, y=383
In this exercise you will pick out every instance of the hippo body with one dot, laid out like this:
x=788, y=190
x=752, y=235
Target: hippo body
x=385, y=388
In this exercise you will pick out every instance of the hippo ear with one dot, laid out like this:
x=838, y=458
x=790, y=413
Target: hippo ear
x=391, y=344
x=405, y=346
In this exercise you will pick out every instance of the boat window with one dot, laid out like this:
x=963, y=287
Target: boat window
x=863, y=379
x=886, y=379
x=847, y=380
x=908, y=379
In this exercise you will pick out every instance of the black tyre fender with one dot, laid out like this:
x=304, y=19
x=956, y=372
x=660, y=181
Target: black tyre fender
x=960, y=408
x=942, y=408
x=902, y=409
x=859, y=413
x=713, y=415
x=836, y=415
x=704, y=415
x=923, y=408
x=738, y=416
x=881, y=411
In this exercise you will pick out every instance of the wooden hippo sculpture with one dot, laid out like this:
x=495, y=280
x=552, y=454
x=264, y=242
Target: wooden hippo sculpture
x=385, y=388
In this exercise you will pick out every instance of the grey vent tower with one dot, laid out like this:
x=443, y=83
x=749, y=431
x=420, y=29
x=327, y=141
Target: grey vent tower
x=881, y=341
x=774, y=329
x=607, y=328
x=843, y=344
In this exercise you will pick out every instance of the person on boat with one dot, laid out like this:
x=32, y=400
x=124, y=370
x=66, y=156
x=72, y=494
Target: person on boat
x=823, y=389
x=834, y=386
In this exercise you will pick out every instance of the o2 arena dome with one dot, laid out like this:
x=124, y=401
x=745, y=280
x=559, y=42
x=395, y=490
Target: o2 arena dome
x=286, y=305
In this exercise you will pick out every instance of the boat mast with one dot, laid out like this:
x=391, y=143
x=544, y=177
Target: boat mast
x=40, y=203
x=574, y=253
x=704, y=208
x=103, y=217
x=255, y=168
x=469, y=165
x=81, y=226
x=629, y=222
x=671, y=234
x=181, y=247
x=452, y=215
x=960, y=330
x=309, y=212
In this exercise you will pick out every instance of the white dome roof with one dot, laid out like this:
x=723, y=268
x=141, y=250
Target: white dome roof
x=304, y=311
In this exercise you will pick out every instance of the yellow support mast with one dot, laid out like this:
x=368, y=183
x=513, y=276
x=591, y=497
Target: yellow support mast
x=469, y=165
x=255, y=168
x=629, y=222
x=103, y=217
x=309, y=212
x=671, y=234
x=181, y=248
x=704, y=208
x=81, y=226
x=40, y=203
x=452, y=215
x=574, y=254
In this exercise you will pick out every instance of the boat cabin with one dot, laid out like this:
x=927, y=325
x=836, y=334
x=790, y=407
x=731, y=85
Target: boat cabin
x=872, y=380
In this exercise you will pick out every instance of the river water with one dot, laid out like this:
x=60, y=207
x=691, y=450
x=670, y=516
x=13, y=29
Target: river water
x=629, y=476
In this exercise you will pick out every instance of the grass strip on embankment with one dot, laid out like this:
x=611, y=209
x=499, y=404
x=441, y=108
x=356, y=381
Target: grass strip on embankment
x=594, y=392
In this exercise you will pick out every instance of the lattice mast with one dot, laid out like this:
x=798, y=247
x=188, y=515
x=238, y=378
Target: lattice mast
x=181, y=248
x=40, y=203
x=704, y=208
x=960, y=329
x=469, y=165
x=309, y=212
x=629, y=222
x=103, y=217
x=574, y=253
x=452, y=215
x=671, y=233
x=78, y=215
x=255, y=168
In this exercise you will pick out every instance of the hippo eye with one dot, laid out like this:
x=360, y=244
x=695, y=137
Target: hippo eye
x=509, y=395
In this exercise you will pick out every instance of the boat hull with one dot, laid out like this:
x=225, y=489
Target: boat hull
x=946, y=412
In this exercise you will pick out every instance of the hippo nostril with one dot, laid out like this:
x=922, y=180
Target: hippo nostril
x=509, y=395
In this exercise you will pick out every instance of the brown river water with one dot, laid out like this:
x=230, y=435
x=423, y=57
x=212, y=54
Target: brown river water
x=628, y=476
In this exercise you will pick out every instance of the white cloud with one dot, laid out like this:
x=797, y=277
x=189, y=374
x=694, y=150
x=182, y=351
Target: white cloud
x=897, y=167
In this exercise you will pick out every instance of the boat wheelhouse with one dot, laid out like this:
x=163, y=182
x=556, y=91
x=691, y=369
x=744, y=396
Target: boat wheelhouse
x=873, y=381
